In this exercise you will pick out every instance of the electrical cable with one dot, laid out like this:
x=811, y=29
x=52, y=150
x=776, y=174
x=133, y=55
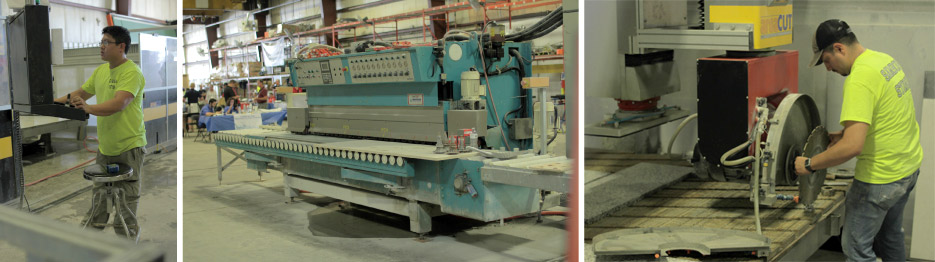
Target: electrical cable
x=543, y=27
x=555, y=126
x=553, y=17
x=539, y=29
x=85, y=142
x=60, y=173
x=521, y=71
x=490, y=96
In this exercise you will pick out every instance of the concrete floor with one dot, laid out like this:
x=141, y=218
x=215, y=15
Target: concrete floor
x=67, y=197
x=246, y=219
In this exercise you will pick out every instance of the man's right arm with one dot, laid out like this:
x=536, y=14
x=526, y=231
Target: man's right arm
x=77, y=93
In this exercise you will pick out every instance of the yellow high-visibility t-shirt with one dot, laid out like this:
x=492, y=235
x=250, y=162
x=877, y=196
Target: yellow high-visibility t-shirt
x=123, y=130
x=877, y=93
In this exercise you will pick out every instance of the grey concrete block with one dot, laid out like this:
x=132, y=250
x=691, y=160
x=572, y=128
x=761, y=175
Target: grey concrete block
x=612, y=192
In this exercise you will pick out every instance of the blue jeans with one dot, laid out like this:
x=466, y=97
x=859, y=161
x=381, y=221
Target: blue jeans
x=873, y=220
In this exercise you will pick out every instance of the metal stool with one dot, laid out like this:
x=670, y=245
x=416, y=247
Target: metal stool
x=203, y=134
x=114, y=197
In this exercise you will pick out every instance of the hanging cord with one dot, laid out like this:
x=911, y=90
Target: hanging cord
x=490, y=95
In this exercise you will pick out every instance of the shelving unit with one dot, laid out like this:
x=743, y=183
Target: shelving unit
x=230, y=55
x=424, y=14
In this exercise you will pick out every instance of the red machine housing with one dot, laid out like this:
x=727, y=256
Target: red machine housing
x=727, y=92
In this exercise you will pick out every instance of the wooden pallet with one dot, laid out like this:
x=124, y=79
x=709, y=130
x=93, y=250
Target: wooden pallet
x=724, y=205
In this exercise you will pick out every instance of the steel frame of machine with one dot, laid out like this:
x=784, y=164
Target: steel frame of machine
x=401, y=178
x=361, y=137
x=756, y=77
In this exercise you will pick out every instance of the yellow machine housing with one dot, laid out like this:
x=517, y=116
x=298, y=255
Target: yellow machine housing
x=770, y=21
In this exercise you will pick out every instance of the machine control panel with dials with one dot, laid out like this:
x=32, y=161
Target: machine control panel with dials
x=379, y=67
x=320, y=72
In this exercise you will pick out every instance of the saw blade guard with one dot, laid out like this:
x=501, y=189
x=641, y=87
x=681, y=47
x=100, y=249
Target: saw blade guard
x=792, y=123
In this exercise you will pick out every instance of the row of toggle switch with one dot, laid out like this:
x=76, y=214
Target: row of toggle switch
x=382, y=74
x=377, y=59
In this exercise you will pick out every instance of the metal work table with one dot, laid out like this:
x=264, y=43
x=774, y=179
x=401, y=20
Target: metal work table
x=38, y=125
x=631, y=127
x=795, y=233
x=43, y=126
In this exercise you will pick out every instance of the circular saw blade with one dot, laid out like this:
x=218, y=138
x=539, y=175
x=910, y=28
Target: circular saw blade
x=795, y=118
x=810, y=185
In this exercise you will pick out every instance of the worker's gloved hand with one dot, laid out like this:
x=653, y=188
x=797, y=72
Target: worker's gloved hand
x=835, y=137
x=800, y=166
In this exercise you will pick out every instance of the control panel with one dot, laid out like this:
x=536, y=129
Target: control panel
x=320, y=72
x=381, y=67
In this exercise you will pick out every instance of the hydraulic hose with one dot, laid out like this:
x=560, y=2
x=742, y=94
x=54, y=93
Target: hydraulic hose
x=679, y=130
x=733, y=151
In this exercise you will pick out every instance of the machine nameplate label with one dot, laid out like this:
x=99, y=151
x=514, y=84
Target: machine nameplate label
x=416, y=100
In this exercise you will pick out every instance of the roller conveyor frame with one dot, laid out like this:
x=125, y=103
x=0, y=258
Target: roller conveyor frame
x=401, y=178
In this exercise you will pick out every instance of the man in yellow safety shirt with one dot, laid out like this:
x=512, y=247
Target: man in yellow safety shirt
x=118, y=86
x=880, y=129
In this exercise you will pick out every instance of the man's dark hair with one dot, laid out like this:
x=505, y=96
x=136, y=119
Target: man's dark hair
x=212, y=101
x=120, y=34
x=848, y=40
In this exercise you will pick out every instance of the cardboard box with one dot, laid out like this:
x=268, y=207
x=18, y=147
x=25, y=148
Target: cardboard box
x=281, y=29
x=535, y=82
x=284, y=90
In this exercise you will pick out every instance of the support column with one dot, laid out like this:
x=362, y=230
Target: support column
x=439, y=24
x=123, y=7
x=329, y=14
x=212, y=36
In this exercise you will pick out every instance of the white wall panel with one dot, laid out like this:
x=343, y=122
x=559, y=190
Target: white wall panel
x=82, y=27
x=163, y=10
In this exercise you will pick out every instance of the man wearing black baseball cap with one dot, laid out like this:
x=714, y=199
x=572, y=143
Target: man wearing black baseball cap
x=880, y=129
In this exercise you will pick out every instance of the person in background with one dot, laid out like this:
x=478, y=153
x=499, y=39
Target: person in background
x=262, y=96
x=295, y=89
x=209, y=109
x=191, y=95
x=211, y=92
x=230, y=92
x=233, y=106
x=202, y=95
x=191, y=103
x=206, y=110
